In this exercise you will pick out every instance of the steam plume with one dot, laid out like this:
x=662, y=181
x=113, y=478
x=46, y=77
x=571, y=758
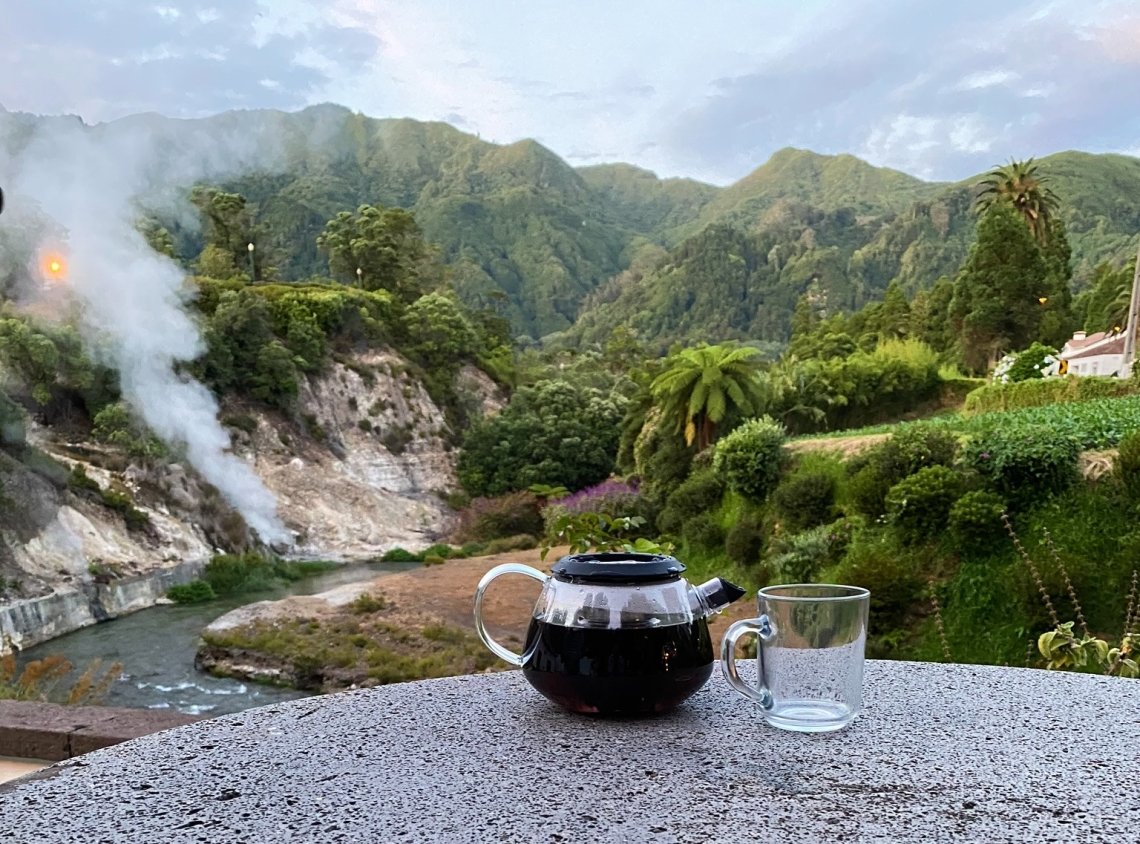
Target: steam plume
x=133, y=301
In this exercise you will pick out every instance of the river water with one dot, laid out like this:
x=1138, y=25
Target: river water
x=156, y=648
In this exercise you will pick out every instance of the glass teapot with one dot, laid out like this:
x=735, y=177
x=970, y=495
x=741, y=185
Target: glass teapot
x=615, y=633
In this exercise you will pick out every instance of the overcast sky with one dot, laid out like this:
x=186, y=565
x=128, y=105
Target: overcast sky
x=705, y=89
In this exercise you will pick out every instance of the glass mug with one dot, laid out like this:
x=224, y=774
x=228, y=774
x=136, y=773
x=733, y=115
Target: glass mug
x=809, y=655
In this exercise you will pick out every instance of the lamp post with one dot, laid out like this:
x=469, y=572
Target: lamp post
x=252, y=271
x=359, y=277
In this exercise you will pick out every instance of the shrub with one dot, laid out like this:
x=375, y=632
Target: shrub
x=366, y=603
x=1127, y=463
x=473, y=549
x=231, y=574
x=806, y=499
x=916, y=447
x=1029, y=364
x=867, y=491
x=1024, y=464
x=521, y=542
x=434, y=560
x=919, y=506
x=975, y=521
x=750, y=458
x=798, y=558
x=889, y=572
x=744, y=542
x=512, y=514
x=699, y=493
x=703, y=531
x=194, y=592
x=401, y=555
x=440, y=549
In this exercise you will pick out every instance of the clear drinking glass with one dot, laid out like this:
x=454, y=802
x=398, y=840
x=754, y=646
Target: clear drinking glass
x=809, y=657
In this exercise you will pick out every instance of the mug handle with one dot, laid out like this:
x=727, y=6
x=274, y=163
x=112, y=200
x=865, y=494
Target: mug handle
x=506, y=568
x=764, y=631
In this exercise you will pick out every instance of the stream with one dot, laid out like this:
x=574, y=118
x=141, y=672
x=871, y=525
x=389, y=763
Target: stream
x=156, y=648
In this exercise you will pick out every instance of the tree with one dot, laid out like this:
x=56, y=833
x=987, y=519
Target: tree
x=385, y=244
x=1021, y=185
x=551, y=433
x=441, y=334
x=1005, y=291
x=701, y=385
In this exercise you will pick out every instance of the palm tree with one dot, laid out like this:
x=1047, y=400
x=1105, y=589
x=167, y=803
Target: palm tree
x=1020, y=184
x=699, y=385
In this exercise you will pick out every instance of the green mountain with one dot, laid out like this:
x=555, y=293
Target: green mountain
x=611, y=244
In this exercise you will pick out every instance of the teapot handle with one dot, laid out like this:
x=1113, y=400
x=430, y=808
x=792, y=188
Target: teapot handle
x=506, y=568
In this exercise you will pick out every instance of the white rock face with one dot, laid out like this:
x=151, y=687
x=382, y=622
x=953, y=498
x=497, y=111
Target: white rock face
x=367, y=476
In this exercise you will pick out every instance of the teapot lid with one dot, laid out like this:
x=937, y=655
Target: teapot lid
x=618, y=567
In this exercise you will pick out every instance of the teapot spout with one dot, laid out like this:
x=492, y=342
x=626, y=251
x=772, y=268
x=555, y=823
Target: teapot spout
x=716, y=594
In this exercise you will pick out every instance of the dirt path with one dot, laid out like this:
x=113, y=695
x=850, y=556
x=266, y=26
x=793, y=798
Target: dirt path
x=846, y=446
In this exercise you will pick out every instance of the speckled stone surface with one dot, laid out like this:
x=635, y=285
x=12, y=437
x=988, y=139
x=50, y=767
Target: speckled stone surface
x=941, y=753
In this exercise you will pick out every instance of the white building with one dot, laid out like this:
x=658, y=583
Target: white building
x=1101, y=353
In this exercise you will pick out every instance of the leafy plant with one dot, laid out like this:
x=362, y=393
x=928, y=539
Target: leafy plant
x=1023, y=464
x=975, y=521
x=744, y=542
x=485, y=519
x=194, y=592
x=751, y=457
x=699, y=493
x=805, y=499
x=918, y=506
x=1127, y=463
x=594, y=531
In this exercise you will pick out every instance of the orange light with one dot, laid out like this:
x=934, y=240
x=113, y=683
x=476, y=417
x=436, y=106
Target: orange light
x=1043, y=299
x=54, y=266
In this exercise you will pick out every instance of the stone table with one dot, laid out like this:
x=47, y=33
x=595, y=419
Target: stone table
x=941, y=753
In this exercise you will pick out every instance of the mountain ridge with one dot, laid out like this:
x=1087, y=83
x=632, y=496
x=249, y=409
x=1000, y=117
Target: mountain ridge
x=518, y=221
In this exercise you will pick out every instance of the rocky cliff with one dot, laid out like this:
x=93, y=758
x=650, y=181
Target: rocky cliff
x=362, y=466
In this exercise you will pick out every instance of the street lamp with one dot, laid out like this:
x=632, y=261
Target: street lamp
x=359, y=277
x=252, y=272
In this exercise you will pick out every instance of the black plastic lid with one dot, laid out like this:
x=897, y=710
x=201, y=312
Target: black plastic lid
x=618, y=567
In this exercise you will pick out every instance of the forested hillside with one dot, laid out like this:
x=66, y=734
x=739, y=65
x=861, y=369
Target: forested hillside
x=523, y=232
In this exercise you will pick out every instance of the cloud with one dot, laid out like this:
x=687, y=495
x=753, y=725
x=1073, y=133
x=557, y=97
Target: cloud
x=706, y=90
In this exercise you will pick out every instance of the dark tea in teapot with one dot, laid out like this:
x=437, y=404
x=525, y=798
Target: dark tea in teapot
x=618, y=672
x=615, y=633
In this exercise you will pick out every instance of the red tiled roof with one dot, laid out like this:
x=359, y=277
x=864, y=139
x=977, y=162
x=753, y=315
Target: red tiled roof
x=1076, y=345
x=1114, y=346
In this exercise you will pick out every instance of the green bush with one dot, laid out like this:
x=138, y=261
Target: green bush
x=908, y=450
x=700, y=493
x=401, y=555
x=805, y=500
x=1029, y=363
x=975, y=521
x=550, y=433
x=473, y=549
x=867, y=491
x=916, y=447
x=512, y=514
x=1127, y=463
x=434, y=560
x=232, y=574
x=440, y=549
x=744, y=542
x=891, y=573
x=1024, y=464
x=919, y=506
x=522, y=542
x=194, y=592
x=704, y=531
x=750, y=458
x=798, y=558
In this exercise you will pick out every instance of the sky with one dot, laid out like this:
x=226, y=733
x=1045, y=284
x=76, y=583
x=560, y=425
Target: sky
x=707, y=90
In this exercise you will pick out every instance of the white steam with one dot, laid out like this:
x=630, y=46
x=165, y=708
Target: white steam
x=132, y=300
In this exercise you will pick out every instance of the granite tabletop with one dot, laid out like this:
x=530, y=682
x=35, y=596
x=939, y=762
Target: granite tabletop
x=941, y=753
